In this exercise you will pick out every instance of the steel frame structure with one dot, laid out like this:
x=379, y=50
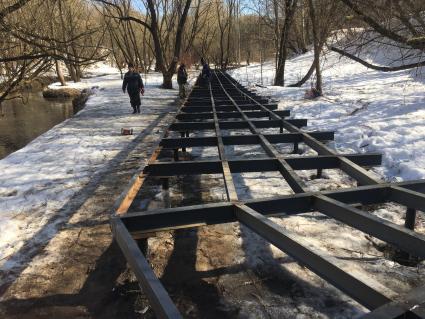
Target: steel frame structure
x=225, y=104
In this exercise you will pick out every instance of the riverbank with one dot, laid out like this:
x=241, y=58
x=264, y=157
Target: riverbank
x=57, y=191
x=36, y=108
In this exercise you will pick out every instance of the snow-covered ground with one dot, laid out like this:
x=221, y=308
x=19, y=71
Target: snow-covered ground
x=38, y=181
x=370, y=111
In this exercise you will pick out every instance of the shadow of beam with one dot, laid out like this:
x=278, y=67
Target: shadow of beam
x=98, y=298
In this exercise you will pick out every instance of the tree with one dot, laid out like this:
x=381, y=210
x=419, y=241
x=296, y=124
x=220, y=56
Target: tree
x=282, y=53
x=166, y=23
x=32, y=42
x=387, y=24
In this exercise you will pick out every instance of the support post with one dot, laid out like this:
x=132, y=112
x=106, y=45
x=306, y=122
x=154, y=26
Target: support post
x=296, y=149
x=165, y=183
x=409, y=222
x=182, y=134
x=176, y=154
x=319, y=173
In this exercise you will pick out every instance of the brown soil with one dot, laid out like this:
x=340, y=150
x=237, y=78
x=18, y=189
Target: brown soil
x=80, y=272
x=61, y=93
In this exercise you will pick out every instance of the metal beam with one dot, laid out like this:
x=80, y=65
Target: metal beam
x=327, y=267
x=229, y=125
x=255, y=165
x=251, y=139
x=410, y=306
x=190, y=216
x=158, y=297
x=205, y=107
x=399, y=236
x=226, y=115
x=176, y=218
x=408, y=198
x=227, y=175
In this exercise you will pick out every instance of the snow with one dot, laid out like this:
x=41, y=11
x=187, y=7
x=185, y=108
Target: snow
x=39, y=180
x=369, y=111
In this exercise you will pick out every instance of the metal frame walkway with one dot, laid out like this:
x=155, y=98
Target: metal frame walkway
x=224, y=104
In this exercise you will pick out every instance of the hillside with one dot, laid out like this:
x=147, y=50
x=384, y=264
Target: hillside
x=370, y=111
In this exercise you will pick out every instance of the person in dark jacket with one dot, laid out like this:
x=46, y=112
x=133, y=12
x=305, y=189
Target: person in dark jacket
x=182, y=80
x=134, y=85
x=206, y=72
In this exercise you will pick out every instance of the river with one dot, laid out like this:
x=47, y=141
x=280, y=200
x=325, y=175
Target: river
x=22, y=121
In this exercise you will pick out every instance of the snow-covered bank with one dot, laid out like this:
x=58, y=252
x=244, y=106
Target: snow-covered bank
x=370, y=111
x=38, y=181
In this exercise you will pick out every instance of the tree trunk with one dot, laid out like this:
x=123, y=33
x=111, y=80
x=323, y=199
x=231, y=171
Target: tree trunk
x=78, y=72
x=290, y=7
x=59, y=73
x=317, y=47
x=72, y=72
x=167, y=79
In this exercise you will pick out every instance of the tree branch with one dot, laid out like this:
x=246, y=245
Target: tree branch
x=12, y=8
x=376, y=67
x=416, y=43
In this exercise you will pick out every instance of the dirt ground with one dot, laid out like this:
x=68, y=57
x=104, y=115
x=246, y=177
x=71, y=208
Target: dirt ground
x=222, y=271
x=209, y=272
x=80, y=272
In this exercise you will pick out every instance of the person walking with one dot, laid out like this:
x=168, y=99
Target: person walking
x=182, y=80
x=134, y=85
x=206, y=73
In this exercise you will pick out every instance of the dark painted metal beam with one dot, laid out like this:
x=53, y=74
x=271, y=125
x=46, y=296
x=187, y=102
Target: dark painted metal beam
x=225, y=108
x=256, y=165
x=227, y=175
x=159, y=299
x=228, y=125
x=183, y=217
x=251, y=139
x=226, y=115
x=410, y=306
x=407, y=197
x=380, y=228
x=326, y=267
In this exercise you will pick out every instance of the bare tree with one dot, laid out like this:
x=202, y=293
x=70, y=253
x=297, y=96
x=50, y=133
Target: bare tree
x=33, y=42
x=166, y=25
x=396, y=24
x=289, y=7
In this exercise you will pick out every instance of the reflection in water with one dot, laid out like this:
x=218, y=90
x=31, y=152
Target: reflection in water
x=20, y=122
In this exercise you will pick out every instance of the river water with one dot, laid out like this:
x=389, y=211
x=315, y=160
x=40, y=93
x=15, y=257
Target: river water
x=22, y=121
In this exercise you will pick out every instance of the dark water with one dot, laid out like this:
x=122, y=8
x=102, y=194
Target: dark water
x=21, y=122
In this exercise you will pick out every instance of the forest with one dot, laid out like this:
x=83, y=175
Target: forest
x=156, y=35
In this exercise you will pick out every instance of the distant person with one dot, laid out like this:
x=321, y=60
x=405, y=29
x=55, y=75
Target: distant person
x=182, y=80
x=134, y=85
x=206, y=72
